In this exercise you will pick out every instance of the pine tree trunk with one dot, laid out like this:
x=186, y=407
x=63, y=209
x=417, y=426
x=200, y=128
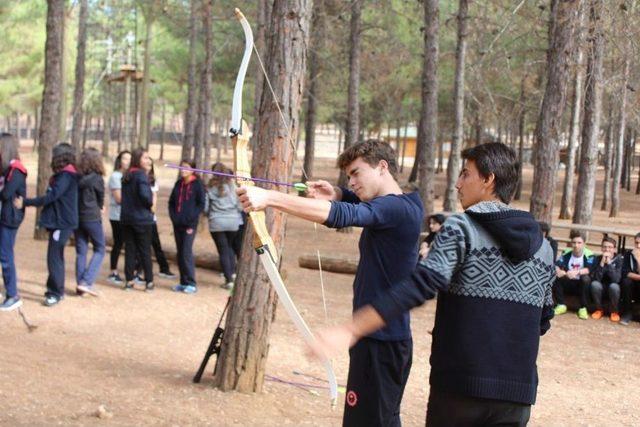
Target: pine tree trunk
x=353, y=103
x=428, y=128
x=51, y=99
x=574, y=132
x=609, y=153
x=545, y=159
x=36, y=128
x=162, y=130
x=241, y=364
x=264, y=17
x=522, y=113
x=453, y=166
x=143, y=133
x=203, y=128
x=78, y=93
x=314, y=70
x=62, y=114
x=190, y=115
x=585, y=190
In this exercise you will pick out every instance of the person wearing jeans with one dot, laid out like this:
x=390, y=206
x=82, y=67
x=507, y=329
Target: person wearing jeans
x=605, y=277
x=14, y=184
x=136, y=218
x=186, y=203
x=225, y=221
x=90, y=205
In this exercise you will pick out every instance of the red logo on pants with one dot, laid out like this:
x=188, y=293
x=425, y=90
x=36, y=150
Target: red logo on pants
x=352, y=398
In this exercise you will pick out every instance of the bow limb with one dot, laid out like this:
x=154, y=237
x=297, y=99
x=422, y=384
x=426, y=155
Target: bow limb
x=262, y=241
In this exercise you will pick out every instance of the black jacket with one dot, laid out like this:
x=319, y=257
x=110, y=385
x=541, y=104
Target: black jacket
x=60, y=202
x=137, y=198
x=610, y=273
x=15, y=184
x=186, y=202
x=629, y=264
x=90, y=197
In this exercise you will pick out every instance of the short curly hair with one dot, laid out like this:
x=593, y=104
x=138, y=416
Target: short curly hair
x=370, y=151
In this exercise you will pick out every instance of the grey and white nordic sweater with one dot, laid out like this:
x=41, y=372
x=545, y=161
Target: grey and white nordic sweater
x=493, y=273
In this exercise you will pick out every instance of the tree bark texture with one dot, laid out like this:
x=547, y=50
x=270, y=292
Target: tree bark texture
x=248, y=323
x=78, y=92
x=264, y=18
x=453, y=166
x=203, y=126
x=585, y=190
x=545, y=159
x=190, y=115
x=144, y=122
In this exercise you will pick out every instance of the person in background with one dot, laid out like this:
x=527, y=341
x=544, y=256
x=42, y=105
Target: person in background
x=14, y=184
x=115, y=198
x=573, y=270
x=605, y=277
x=136, y=218
x=165, y=271
x=90, y=207
x=59, y=216
x=225, y=219
x=546, y=232
x=630, y=286
x=186, y=203
x=435, y=223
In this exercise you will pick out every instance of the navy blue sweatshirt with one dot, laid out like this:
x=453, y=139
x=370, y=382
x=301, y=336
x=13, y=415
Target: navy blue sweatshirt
x=90, y=197
x=186, y=202
x=493, y=273
x=137, y=198
x=15, y=184
x=388, y=248
x=60, y=202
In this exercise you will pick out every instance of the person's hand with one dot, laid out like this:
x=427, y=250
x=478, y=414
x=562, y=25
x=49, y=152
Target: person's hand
x=321, y=190
x=253, y=198
x=573, y=274
x=18, y=202
x=606, y=258
x=331, y=342
x=424, y=250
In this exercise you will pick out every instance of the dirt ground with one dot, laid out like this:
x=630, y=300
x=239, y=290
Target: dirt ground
x=134, y=354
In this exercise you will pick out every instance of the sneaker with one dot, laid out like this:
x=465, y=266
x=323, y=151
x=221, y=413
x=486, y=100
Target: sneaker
x=615, y=317
x=228, y=286
x=560, y=309
x=139, y=280
x=583, y=313
x=128, y=286
x=190, y=289
x=51, y=300
x=625, y=319
x=149, y=287
x=87, y=289
x=597, y=314
x=115, y=278
x=178, y=288
x=10, y=304
x=167, y=274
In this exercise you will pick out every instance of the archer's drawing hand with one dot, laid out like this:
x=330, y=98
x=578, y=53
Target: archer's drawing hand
x=18, y=202
x=321, y=190
x=253, y=198
x=331, y=342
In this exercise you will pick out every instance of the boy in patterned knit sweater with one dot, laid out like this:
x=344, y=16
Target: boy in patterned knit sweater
x=493, y=272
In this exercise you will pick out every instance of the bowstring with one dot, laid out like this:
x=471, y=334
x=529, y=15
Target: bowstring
x=304, y=173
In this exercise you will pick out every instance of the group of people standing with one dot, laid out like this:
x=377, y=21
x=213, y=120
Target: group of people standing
x=74, y=204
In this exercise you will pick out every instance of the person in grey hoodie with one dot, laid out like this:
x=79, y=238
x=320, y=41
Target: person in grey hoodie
x=225, y=220
x=90, y=206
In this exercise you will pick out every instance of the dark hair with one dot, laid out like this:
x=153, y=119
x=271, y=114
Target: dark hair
x=637, y=236
x=498, y=159
x=576, y=233
x=217, y=180
x=136, y=158
x=62, y=155
x=152, y=175
x=608, y=239
x=545, y=228
x=372, y=152
x=91, y=161
x=439, y=218
x=118, y=163
x=9, y=144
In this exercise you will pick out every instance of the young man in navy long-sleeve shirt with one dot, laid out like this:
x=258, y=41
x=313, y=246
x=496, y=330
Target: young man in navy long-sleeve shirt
x=380, y=363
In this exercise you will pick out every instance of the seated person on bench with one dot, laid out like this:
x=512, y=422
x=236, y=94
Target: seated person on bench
x=605, y=277
x=630, y=286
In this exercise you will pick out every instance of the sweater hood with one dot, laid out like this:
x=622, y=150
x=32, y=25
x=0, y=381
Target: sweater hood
x=17, y=164
x=517, y=232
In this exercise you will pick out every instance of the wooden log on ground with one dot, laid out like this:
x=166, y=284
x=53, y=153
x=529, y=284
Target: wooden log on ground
x=333, y=264
x=202, y=260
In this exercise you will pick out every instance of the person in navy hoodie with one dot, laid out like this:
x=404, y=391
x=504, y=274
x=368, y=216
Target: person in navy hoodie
x=186, y=203
x=136, y=217
x=59, y=216
x=15, y=184
x=90, y=205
